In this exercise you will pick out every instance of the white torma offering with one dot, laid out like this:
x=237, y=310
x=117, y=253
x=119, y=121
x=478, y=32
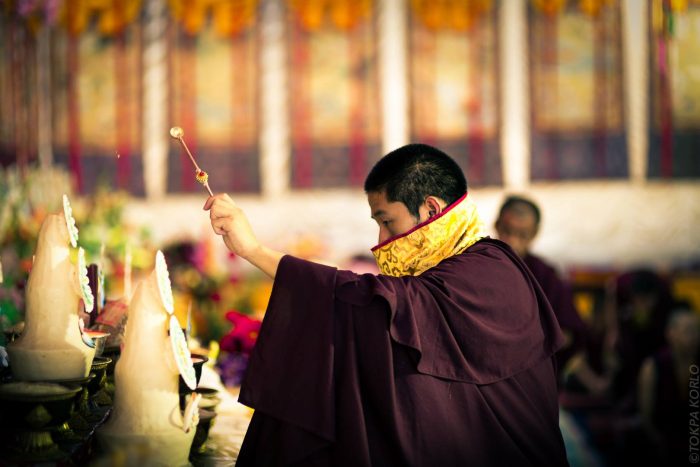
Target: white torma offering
x=51, y=346
x=146, y=415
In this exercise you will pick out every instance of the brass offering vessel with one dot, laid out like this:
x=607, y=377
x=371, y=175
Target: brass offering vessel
x=31, y=413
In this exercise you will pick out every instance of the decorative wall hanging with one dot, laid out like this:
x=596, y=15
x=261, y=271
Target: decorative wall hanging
x=674, y=120
x=577, y=106
x=214, y=92
x=334, y=100
x=453, y=76
x=92, y=88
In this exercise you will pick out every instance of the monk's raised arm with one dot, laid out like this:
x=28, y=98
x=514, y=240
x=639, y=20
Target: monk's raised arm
x=229, y=221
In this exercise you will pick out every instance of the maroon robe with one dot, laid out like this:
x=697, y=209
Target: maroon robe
x=453, y=367
x=561, y=298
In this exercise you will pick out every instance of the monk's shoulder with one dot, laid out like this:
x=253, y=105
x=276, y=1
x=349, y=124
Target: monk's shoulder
x=484, y=252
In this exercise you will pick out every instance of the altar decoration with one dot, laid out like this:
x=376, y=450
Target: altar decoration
x=26, y=198
x=32, y=415
x=146, y=413
x=52, y=346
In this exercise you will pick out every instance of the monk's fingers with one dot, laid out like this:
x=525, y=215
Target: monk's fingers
x=220, y=209
x=208, y=203
x=220, y=226
x=211, y=200
x=219, y=198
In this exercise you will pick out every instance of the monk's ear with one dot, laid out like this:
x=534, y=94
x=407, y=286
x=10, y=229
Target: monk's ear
x=434, y=205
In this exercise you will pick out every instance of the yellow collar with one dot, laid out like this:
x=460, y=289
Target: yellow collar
x=451, y=232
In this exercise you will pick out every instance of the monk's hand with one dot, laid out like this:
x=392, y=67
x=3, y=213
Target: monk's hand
x=229, y=221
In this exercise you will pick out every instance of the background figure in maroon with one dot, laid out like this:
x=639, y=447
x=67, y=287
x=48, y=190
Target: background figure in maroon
x=643, y=302
x=664, y=389
x=451, y=367
x=518, y=224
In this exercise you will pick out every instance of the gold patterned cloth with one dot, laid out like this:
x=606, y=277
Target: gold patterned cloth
x=450, y=233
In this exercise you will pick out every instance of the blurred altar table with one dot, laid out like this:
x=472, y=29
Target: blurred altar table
x=229, y=426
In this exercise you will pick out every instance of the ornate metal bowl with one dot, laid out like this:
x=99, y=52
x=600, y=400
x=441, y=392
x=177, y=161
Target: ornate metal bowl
x=31, y=411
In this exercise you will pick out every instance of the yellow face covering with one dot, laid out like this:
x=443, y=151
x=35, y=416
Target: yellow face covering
x=451, y=232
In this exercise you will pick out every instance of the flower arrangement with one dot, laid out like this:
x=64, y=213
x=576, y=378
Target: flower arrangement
x=209, y=292
x=236, y=346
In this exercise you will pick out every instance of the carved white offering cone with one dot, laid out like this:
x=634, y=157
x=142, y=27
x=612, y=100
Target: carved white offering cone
x=146, y=416
x=51, y=346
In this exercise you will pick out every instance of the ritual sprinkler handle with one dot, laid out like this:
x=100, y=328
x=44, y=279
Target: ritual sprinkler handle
x=201, y=176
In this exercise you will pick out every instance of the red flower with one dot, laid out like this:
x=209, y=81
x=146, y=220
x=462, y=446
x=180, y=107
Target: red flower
x=242, y=337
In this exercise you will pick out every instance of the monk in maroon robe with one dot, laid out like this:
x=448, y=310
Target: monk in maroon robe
x=518, y=224
x=444, y=359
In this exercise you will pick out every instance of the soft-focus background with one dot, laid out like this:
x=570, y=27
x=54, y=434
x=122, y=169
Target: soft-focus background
x=591, y=108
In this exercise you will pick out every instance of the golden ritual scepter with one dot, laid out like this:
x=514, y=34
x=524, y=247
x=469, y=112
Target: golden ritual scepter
x=200, y=175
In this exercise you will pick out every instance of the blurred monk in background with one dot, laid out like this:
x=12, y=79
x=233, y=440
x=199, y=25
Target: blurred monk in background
x=517, y=224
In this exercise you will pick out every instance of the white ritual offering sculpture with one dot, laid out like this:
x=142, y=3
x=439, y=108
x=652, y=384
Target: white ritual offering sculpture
x=51, y=346
x=146, y=416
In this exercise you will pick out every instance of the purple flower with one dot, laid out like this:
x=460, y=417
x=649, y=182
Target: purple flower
x=232, y=366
